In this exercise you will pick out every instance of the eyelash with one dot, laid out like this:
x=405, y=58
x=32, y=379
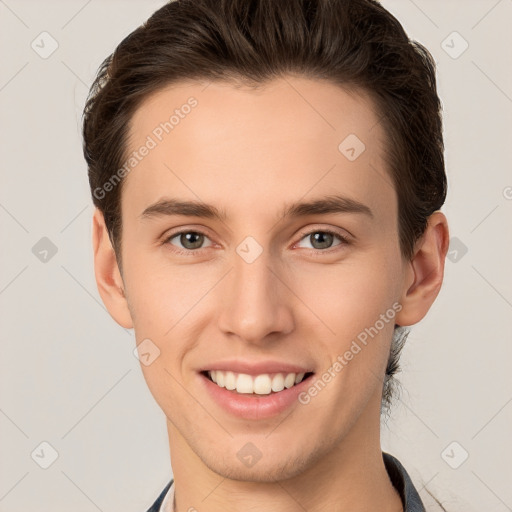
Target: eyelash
x=189, y=252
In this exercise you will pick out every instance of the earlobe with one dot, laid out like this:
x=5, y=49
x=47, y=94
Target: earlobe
x=106, y=270
x=425, y=271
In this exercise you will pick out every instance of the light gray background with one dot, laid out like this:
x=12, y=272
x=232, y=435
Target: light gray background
x=68, y=376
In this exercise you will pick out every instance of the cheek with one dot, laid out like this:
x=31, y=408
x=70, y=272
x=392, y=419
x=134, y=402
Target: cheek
x=358, y=304
x=346, y=297
x=351, y=296
x=168, y=304
x=342, y=298
x=357, y=307
x=158, y=294
x=162, y=307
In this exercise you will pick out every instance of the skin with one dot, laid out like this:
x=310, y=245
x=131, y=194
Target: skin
x=296, y=302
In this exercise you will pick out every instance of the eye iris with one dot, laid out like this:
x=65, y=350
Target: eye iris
x=319, y=240
x=191, y=240
x=324, y=239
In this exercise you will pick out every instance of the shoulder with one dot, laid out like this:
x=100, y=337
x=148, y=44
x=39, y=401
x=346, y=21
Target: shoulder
x=408, y=492
x=403, y=484
x=158, y=503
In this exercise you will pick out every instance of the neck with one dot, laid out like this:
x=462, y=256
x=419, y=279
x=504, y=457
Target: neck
x=350, y=477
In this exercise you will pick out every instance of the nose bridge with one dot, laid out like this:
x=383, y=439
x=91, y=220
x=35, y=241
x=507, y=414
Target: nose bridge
x=256, y=304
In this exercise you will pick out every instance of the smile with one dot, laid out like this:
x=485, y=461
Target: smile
x=263, y=384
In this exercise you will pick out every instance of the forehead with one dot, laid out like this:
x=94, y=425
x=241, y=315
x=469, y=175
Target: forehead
x=234, y=145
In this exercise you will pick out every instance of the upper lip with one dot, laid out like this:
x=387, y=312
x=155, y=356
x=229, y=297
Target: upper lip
x=256, y=368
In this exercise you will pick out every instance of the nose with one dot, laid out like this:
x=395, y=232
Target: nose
x=257, y=306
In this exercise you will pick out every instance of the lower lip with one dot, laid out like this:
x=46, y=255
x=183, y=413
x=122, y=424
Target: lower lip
x=252, y=406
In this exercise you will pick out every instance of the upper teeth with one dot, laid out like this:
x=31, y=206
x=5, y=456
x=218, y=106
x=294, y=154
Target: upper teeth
x=260, y=384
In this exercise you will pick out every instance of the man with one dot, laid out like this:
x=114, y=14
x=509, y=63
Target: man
x=267, y=179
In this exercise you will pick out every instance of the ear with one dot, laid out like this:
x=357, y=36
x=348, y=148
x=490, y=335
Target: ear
x=425, y=271
x=106, y=270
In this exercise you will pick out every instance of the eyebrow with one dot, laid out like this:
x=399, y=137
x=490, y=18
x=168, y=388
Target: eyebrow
x=322, y=206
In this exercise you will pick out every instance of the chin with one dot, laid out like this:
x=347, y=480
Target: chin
x=268, y=469
x=262, y=473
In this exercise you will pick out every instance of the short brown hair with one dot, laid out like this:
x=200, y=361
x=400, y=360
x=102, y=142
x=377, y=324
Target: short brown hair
x=355, y=44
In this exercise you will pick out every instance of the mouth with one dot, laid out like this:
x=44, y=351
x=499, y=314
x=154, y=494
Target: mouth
x=263, y=384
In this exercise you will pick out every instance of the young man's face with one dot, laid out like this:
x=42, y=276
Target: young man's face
x=258, y=292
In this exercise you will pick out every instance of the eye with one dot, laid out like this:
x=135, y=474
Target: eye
x=189, y=240
x=323, y=239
